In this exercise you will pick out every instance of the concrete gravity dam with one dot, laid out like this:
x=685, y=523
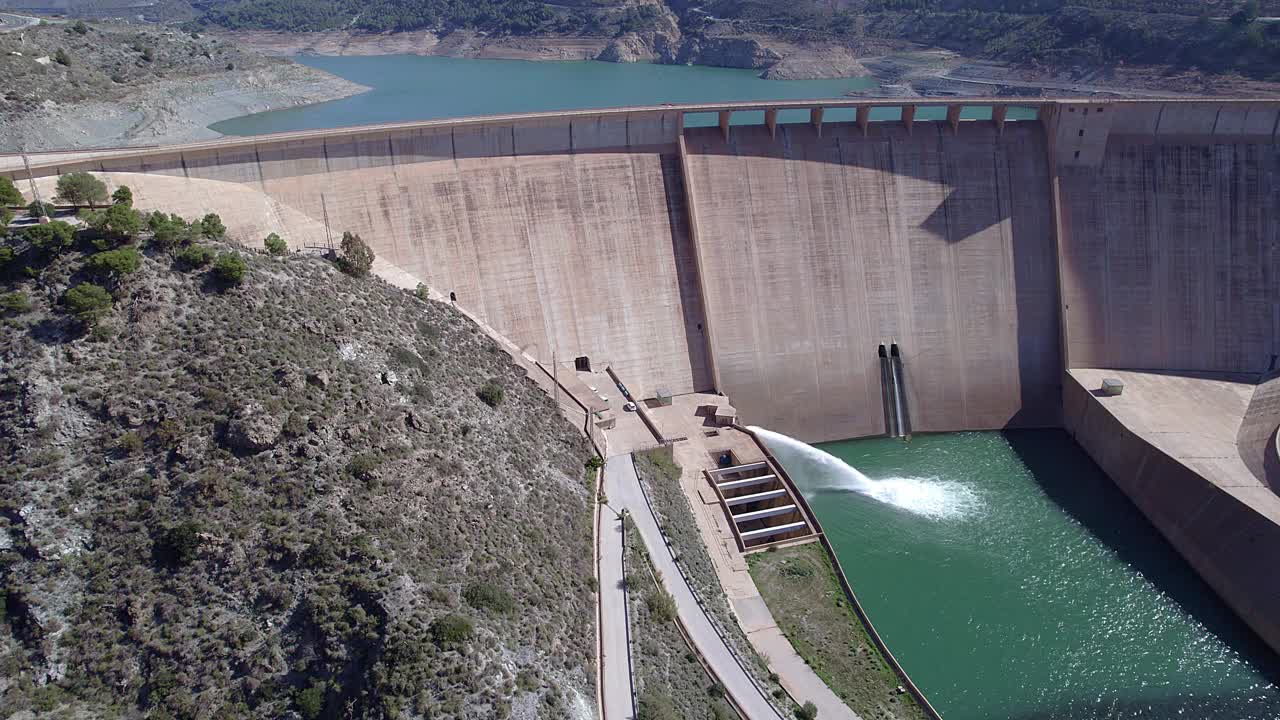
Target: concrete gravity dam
x=849, y=268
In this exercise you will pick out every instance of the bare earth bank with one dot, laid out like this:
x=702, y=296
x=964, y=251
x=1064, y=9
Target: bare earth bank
x=172, y=111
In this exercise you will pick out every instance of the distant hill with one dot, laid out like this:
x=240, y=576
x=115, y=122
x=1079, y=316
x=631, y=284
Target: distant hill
x=1215, y=37
x=285, y=498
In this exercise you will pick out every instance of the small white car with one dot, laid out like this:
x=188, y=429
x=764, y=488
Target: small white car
x=629, y=407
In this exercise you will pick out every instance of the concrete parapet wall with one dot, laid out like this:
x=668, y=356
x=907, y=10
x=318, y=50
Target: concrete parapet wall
x=815, y=250
x=1257, y=438
x=1231, y=545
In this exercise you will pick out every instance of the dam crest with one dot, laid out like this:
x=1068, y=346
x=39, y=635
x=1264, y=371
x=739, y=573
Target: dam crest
x=1012, y=263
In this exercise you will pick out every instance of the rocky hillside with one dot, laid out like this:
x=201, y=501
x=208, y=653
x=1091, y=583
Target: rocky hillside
x=1227, y=36
x=81, y=83
x=301, y=494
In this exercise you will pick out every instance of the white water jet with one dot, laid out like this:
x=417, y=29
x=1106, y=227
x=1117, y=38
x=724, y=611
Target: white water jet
x=929, y=497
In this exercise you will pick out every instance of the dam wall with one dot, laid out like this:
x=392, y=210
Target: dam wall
x=816, y=249
x=1170, y=239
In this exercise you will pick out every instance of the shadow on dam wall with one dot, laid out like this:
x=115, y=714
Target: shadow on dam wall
x=818, y=248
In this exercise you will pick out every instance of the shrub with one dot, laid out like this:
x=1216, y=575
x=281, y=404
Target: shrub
x=6, y=216
x=88, y=302
x=6, y=256
x=131, y=443
x=15, y=302
x=38, y=209
x=119, y=221
x=362, y=466
x=450, y=629
x=177, y=545
x=52, y=237
x=148, y=54
x=294, y=426
x=122, y=196
x=168, y=231
x=422, y=292
x=487, y=596
x=311, y=701
x=661, y=605
x=79, y=28
x=211, y=227
x=654, y=705
x=194, y=256
x=357, y=257
x=275, y=245
x=114, y=264
x=230, y=268
x=62, y=58
x=9, y=194
x=491, y=393
x=808, y=712
x=81, y=188
x=593, y=463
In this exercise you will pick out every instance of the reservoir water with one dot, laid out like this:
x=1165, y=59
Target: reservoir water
x=409, y=87
x=1012, y=579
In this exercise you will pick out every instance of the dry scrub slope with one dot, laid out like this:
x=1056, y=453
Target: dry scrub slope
x=262, y=501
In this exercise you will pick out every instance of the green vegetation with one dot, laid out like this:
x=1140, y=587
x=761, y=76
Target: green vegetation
x=808, y=712
x=212, y=228
x=9, y=193
x=81, y=188
x=114, y=264
x=191, y=543
x=660, y=476
x=52, y=237
x=15, y=302
x=670, y=680
x=120, y=222
x=491, y=393
x=230, y=268
x=192, y=257
x=801, y=589
x=88, y=302
x=122, y=196
x=356, y=258
x=275, y=245
x=486, y=596
x=37, y=209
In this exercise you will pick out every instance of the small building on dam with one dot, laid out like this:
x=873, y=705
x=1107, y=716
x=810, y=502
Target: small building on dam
x=846, y=268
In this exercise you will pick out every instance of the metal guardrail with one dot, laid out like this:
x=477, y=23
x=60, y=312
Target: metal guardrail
x=675, y=560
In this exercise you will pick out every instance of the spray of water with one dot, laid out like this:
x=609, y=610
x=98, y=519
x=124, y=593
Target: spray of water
x=816, y=471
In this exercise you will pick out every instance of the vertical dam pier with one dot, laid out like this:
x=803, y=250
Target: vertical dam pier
x=847, y=268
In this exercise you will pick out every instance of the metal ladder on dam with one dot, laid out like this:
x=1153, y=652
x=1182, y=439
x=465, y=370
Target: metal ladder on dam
x=893, y=392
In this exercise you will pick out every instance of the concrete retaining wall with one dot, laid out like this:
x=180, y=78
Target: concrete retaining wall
x=1231, y=545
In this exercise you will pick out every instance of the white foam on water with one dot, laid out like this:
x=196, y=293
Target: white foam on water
x=929, y=497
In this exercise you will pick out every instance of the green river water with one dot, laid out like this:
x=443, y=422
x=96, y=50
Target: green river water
x=409, y=87
x=1012, y=579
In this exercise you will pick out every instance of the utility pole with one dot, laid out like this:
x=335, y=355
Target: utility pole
x=555, y=377
x=35, y=191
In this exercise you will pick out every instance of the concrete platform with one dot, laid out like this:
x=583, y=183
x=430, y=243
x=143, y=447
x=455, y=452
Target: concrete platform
x=1173, y=444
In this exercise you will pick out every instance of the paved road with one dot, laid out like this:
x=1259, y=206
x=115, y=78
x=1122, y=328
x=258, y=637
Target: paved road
x=623, y=490
x=613, y=613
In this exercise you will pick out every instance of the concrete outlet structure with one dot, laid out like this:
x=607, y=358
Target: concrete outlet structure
x=994, y=271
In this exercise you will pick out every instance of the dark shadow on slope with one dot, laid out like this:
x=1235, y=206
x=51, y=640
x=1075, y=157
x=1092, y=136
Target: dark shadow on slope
x=1070, y=478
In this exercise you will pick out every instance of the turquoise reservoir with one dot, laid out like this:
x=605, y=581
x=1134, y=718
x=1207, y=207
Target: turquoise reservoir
x=1012, y=579
x=409, y=87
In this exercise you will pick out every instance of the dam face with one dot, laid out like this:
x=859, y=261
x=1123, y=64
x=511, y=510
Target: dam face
x=1010, y=263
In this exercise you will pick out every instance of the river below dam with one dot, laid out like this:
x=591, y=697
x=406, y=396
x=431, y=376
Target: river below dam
x=409, y=87
x=1012, y=579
